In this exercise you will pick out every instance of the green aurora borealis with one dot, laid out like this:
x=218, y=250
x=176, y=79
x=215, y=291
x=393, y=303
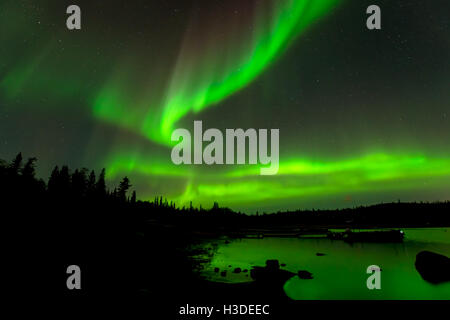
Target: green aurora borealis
x=202, y=79
x=363, y=115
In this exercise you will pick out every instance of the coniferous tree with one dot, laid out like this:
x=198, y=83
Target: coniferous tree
x=64, y=181
x=79, y=183
x=133, y=197
x=52, y=185
x=29, y=170
x=100, y=187
x=16, y=164
x=90, y=187
x=123, y=188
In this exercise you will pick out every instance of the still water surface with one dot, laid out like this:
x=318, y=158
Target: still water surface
x=341, y=272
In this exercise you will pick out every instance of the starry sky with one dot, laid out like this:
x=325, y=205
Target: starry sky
x=363, y=115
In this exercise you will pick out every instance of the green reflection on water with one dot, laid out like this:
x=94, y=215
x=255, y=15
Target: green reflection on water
x=341, y=273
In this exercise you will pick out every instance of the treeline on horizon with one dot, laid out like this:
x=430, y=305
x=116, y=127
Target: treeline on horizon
x=18, y=183
x=18, y=180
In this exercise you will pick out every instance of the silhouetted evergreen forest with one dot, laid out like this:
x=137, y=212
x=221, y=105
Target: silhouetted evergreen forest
x=84, y=189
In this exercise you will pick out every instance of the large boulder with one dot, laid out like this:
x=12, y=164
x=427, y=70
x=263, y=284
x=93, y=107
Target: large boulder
x=303, y=274
x=271, y=273
x=320, y=254
x=433, y=267
x=272, y=264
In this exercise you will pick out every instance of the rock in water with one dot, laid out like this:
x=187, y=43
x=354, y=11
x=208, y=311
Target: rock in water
x=271, y=273
x=433, y=267
x=272, y=264
x=303, y=274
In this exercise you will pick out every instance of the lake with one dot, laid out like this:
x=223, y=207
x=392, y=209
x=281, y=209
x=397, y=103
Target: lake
x=341, y=272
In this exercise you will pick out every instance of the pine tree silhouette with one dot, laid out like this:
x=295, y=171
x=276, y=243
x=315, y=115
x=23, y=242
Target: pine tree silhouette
x=123, y=188
x=100, y=187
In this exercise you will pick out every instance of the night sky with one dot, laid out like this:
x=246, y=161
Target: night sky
x=363, y=115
